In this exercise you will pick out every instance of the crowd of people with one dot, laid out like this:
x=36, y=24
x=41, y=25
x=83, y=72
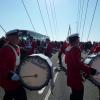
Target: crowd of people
x=12, y=50
x=30, y=46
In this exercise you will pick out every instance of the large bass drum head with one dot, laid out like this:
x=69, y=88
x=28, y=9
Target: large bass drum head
x=95, y=63
x=34, y=72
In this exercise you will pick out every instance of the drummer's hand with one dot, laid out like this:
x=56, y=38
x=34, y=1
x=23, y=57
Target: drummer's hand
x=93, y=71
x=15, y=77
x=97, y=73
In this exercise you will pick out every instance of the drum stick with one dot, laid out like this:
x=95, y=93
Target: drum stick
x=35, y=75
x=97, y=73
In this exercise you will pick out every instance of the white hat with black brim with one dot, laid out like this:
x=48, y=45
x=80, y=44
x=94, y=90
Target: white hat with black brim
x=14, y=32
x=73, y=37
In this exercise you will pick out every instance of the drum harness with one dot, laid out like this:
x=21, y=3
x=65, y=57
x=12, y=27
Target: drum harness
x=17, y=55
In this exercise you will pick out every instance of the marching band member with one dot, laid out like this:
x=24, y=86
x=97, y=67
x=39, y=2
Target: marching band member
x=48, y=48
x=97, y=49
x=9, y=60
x=62, y=53
x=74, y=68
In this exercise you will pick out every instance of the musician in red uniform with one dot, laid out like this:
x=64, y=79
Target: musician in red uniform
x=9, y=61
x=97, y=48
x=75, y=67
x=61, y=52
x=48, y=48
x=31, y=45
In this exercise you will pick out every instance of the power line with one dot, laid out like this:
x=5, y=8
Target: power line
x=92, y=19
x=42, y=16
x=85, y=19
x=49, y=19
x=28, y=14
x=3, y=28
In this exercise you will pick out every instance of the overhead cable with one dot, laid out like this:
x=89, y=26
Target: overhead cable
x=3, y=28
x=42, y=16
x=28, y=14
x=78, y=15
x=85, y=19
x=49, y=19
x=92, y=20
x=55, y=14
x=81, y=16
x=52, y=15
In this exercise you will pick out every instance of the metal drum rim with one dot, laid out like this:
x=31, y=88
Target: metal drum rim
x=35, y=87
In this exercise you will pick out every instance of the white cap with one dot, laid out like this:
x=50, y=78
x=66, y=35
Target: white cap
x=72, y=36
x=13, y=32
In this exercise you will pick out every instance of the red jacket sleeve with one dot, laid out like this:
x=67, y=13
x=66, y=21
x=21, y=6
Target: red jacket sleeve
x=6, y=62
x=73, y=60
x=79, y=63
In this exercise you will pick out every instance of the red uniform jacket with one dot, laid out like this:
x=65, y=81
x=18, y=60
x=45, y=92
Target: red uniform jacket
x=49, y=49
x=74, y=67
x=34, y=46
x=63, y=47
x=97, y=49
x=7, y=64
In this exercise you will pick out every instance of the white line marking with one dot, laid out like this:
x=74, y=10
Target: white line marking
x=55, y=76
x=49, y=91
x=41, y=91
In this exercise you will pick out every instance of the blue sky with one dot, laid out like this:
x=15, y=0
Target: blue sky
x=14, y=16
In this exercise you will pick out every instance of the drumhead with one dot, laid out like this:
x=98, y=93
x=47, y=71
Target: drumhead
x=89, y=59
x=84, y=54
x=34, y=72
x=95, y=63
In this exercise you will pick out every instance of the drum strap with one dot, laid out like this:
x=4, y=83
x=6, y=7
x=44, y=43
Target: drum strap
x=16, y=54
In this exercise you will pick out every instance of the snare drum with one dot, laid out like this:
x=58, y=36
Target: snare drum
x=84, y=54
x=94, y=62
x=35, y=71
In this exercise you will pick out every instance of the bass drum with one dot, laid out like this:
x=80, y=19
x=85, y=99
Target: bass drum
x=35, y=71
x=94, y=62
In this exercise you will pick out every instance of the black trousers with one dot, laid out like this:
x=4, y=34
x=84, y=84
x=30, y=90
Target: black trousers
x=59, y=58
x=77, y=94
x=19, y=94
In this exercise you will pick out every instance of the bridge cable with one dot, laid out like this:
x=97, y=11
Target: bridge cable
x=49, y=19
x=52, y=15
x=55, y=14
x=28, y=14
x=78, y=15
x=81, y=16
x=85, y=19
x=42, y=16
x=3, y=28
x=92, y=20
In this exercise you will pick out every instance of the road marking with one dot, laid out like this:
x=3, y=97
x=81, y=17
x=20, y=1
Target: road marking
x=42, y=90
x=49, y=91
